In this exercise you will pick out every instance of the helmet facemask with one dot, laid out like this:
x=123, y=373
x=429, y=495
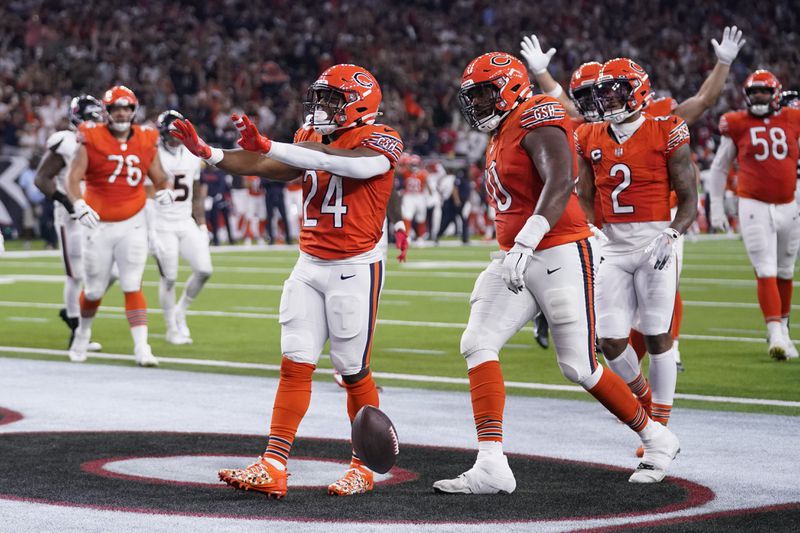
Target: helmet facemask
x=479, y=105
x=759, y=107
x=613, y=100
x=584, y=102
x=324, y=108
x=117, y=126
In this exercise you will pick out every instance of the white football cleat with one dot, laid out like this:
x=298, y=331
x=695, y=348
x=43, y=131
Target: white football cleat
x=144, y=356
x=791, y=349
x=659, y=451
x=778, y=348
x=176, y=337
x=490, y=475
x=79, y=346
x=180, y=324
x=94, y=346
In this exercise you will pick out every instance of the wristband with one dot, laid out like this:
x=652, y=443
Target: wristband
x=532, y=232
x=399, y=226
x=555, y=93
x=672, y=232
x=215, y=157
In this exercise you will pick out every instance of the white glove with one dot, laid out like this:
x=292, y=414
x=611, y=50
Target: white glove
x=515, y=263
x=155, y=244
x=532, y=52
x=662, y=248
x=165, y=197
x=85, y=214
x=598, y=234
x=732, y=42
x=719, y=220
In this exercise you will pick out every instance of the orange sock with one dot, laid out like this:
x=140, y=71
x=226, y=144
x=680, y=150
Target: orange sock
x=785, y=290
x=641, y=388
x=612, y=392
x=769, y=298
x=291, y=404
x=419, y=227
x=361, y=393
x=88, y=307
x=677, y=316
x=636, y=340
x=136, y=308
x=661, y=412
x=488, y=392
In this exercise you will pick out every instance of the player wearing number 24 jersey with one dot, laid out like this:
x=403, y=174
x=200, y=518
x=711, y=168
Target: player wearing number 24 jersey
x=346, y=162
x=763, y=140
x=114, y=159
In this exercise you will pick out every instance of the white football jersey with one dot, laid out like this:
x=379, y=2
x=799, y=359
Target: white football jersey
x=65, y=144
x=184, y=168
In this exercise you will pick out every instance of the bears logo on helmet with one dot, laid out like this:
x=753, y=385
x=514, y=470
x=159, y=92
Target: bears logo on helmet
x=622, y=89
x=580, y=90
x=342, y=97
x=85, y=107
x=492, y=86
x=762, y=81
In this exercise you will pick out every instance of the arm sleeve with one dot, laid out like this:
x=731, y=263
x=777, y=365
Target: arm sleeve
x=349, y=167
x=718, y=173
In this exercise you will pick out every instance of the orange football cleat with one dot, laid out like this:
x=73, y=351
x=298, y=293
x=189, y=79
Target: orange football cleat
x=357, y=480
x=259, y=476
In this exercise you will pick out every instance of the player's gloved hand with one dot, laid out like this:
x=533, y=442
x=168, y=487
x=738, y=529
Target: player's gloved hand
x=401, y=240
x=515, y=263
x=533, y=54
x=85, y=214
x=156, y=246
x=250, y=139
x=165, y=197
x=719, y=221
x=598, y=233
x=184, y=131
x=662, y=249
x=728, y=49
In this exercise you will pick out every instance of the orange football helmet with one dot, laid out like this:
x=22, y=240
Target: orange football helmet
x=580, y=90
x=758, y=81
x=622, y=89
x=492, y=86
x=342, y=97
x=119, y=95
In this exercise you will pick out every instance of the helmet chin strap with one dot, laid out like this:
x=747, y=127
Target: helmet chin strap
x=120, y=126
x=759, y=110
x=491, y=123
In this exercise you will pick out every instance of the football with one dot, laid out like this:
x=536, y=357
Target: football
x=375, y=439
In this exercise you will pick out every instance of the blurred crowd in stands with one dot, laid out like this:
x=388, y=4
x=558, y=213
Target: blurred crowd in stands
x=208, y=59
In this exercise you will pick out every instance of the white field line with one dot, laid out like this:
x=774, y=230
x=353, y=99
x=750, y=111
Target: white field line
x=383, y=321
x=390, y=375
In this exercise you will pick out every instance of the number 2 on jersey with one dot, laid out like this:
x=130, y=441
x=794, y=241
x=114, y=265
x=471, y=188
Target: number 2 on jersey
x=332, y=203
x=625, y=171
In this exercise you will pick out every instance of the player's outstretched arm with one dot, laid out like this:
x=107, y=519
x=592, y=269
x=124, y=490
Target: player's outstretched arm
x=241, y=162
x=538, y=60
x=586, y=189
x=693, y=108
x=684, y=182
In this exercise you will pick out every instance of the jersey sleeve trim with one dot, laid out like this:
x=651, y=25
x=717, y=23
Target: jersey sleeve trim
x=678, y=136
x=387, y=144
x=544, y=114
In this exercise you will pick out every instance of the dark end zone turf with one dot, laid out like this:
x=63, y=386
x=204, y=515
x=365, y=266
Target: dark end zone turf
x=47, y=467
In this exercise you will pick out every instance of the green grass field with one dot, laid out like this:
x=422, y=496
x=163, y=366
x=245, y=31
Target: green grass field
x=423, y=310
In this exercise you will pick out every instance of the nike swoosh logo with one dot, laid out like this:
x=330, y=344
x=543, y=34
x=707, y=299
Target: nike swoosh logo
x=554, y=270
x=342, y=276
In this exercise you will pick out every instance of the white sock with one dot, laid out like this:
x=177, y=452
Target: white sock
x=677, y=352
x=774, y=330
x=139, y=334
x=663, y=376
x=277, y=464
x=193, y=287
x=626, y=365
x=489, y=448
x=85, y=325
x=72, y=293
x=166, y=296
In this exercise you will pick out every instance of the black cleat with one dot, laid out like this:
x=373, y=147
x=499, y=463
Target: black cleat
x=541, y=330
x=72, y=324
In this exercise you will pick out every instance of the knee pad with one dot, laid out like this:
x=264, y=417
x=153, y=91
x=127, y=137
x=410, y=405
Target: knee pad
x=203, y=275
x=93, y=293
x=570, y=369
x=345, y=314
x=764, y=270
x=477, y=348
x=562, y=305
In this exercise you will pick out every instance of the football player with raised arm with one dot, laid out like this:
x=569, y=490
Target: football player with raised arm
x=347, y=165
x=546, y=263
x=763, y=140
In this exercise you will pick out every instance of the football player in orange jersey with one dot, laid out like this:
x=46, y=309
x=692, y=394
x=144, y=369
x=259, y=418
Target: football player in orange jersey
x=763, y=140
x=414, y=203
x=632, y=161
x=347, y=162
x=581, y=108
x=113, y=159
x=546, y=263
